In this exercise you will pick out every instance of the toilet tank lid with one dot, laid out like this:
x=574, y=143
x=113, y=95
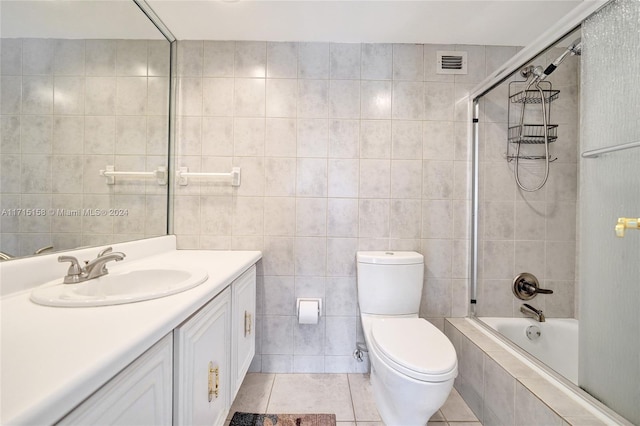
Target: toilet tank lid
x=389, y=257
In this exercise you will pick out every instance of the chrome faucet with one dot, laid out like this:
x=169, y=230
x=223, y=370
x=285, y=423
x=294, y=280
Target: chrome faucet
x=93, y=269
x=532, y=312
x=5, y=256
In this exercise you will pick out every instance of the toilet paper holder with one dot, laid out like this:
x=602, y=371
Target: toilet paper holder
x=309, y=299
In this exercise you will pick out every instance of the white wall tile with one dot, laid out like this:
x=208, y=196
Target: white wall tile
x=344, y=99
x=344, y=178
x=282, y=97
x=37, y=56
x=280, y=216
x=311, y=217
x=249, y=97
x=282, y=60
x=375, y=178
x=406, y=139
x=313, y=98
x=218, y=96
x=345, y=61
x=11, y=57
x=10, y=134
x=131, y=58
x=248, y=137
x=310, y=256
x=131, y=95
x=37, y=95
x=36, y=134
x=404, y=219
x=406, y=178
x=69, y=58
x=280, y=137
x=218, y=58
x=377, y=61
x=408, y=100
x=342, y=217
x=250, y=59
x=217, y=136
x=311, y=178
x=313, y=137
x=280, y=176
x=376, y=99
x=313, y=60
x=344, y=138
x=408, y=62
x=11, y=93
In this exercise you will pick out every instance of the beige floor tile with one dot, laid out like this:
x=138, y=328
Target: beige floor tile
x=437, y=423
x=253, y=395
x=456, y=410
x=364, y=405
x=345, y=423
x=464, y=424
x=370, y=424
x=437, y=417
x=312, y=393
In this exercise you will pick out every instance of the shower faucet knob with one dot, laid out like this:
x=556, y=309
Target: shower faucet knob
x=525, y=286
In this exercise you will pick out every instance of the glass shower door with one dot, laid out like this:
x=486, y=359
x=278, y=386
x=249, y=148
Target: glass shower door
x=609, y=365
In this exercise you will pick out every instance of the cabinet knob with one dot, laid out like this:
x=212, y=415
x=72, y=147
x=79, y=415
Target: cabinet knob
x=214, y=385
x=247, y=323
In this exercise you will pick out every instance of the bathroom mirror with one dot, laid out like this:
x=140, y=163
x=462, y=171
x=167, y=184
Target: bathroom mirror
x=84, y=88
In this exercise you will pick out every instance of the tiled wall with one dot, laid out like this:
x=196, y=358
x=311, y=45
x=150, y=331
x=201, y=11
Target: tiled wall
x=522, y=231
x=69, y=108
x=343, y=147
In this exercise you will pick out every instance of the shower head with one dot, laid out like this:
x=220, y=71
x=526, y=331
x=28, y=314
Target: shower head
x=574, y=48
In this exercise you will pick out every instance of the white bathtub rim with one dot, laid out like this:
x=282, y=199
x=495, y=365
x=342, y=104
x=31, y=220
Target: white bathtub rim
x=589, y=403
x=557, y=368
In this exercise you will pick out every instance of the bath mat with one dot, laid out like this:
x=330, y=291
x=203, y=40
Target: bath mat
x=251, y=419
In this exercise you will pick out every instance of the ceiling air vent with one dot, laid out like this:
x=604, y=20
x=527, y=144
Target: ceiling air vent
x=451, y=62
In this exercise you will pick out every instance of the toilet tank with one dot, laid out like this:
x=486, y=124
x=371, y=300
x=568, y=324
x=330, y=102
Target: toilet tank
x=389, y=282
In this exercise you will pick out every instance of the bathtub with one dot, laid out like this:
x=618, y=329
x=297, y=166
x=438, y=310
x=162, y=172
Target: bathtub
x=556, y=346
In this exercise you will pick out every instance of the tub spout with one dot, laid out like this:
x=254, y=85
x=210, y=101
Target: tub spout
x=532, y=312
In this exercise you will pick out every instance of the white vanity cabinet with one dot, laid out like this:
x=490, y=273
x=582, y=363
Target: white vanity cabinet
x=191, y=376
x=140, y=394
x=202, y=364
x=243, y=341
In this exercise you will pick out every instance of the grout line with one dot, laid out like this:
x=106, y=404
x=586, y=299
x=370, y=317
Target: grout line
x=266, y=409
x=353, y=406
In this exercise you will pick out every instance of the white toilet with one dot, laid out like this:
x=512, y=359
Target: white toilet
x=413, y=364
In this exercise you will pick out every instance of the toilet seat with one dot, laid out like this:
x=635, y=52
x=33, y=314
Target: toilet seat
x=415, y=347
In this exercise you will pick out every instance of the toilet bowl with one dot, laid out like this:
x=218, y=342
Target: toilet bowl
x=413, y=364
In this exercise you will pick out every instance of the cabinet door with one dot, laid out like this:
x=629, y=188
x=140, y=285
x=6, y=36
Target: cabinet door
x=139, y=395
x=201, y=368
x=243, y=341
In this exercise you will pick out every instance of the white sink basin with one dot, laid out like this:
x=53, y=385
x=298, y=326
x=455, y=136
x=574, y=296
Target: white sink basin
x=119, y=287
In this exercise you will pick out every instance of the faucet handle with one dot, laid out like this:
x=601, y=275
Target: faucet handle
x=74, y=272
x=105, y=251
x=525, y=286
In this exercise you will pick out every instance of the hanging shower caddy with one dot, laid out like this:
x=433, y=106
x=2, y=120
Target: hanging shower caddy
x=526, y=124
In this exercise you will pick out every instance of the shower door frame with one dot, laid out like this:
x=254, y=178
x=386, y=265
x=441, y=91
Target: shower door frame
x=555, y=33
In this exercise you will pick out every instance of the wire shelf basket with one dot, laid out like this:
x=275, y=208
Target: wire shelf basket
x=532, y=133
x=534, y=97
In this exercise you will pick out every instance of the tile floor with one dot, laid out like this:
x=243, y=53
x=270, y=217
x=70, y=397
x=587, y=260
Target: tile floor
x=349, y=396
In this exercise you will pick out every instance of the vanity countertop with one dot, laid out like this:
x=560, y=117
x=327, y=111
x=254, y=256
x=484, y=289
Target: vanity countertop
x=53, y=358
